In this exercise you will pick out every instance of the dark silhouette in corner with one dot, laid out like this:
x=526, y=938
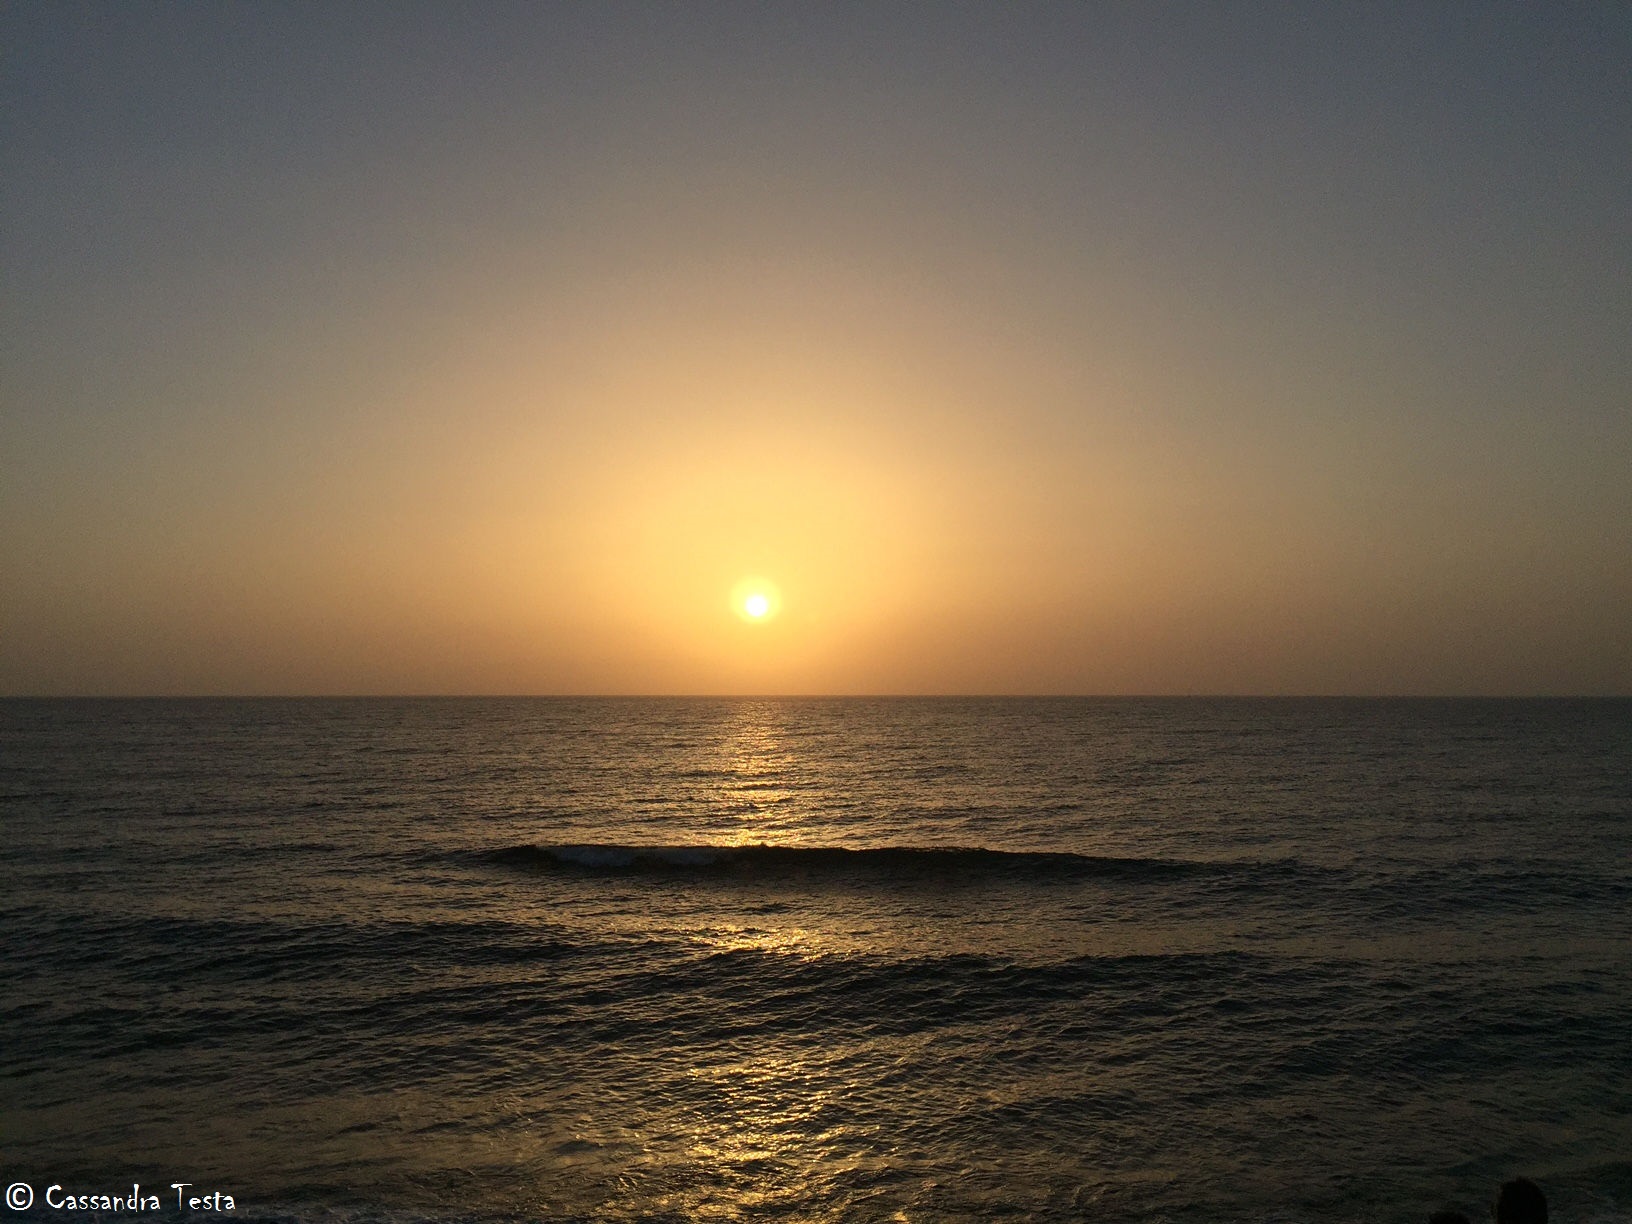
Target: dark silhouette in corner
x=1521, y=1201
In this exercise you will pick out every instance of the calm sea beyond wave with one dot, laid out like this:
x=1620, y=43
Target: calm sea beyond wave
x=673, y=959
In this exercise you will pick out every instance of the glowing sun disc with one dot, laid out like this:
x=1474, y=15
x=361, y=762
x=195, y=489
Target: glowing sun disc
x=755, y=600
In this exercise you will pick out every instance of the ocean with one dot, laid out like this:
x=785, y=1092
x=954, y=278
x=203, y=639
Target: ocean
x=829, y=959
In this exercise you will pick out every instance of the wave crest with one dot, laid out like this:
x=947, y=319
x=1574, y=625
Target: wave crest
x=836, y=863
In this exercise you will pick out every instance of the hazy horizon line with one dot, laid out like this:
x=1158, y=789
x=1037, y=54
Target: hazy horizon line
x=1219, y=696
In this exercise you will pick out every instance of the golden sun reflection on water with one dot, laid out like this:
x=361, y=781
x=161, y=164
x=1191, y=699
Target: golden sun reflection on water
x=759, y=765
x=779, y=1132
x=794, y=941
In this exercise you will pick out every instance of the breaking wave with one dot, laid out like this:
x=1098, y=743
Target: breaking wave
x=837, y=863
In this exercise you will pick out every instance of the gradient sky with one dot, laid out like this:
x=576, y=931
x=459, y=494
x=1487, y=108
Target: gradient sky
x=1027, y=348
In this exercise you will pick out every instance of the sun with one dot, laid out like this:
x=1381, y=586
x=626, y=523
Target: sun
x=755, y=600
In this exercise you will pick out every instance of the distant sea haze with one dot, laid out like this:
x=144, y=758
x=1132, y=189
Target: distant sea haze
x=955, y=959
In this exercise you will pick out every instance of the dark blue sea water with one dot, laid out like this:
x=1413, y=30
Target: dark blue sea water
x=1189, y=960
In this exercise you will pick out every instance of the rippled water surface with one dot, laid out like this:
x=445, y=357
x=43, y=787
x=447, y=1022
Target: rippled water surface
x=940, y=960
